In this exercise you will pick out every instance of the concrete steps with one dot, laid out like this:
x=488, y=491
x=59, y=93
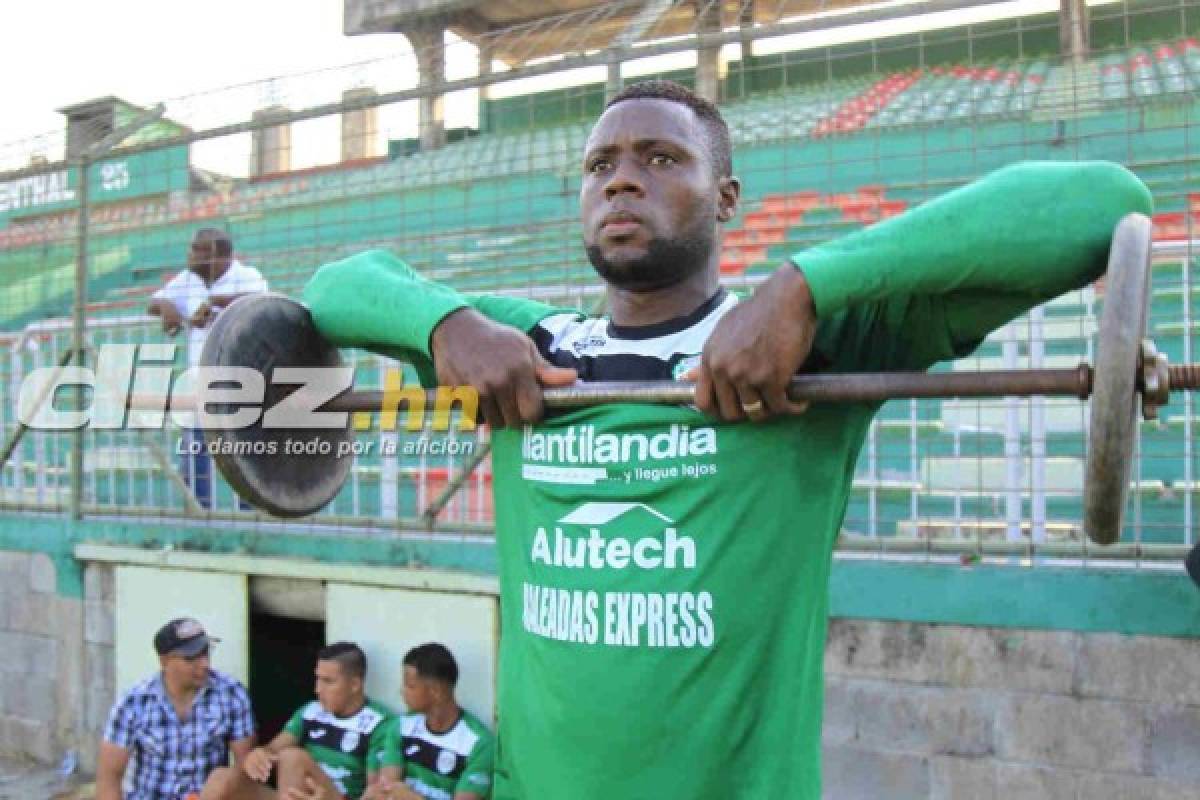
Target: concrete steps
x=1071, y=91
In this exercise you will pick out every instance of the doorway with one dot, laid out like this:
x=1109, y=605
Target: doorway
x=283, y=653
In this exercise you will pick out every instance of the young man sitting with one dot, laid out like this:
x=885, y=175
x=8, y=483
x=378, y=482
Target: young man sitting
x=325, y=750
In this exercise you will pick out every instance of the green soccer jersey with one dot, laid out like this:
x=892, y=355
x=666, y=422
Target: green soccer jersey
x=664, y=601
x=345, y=748
x=664, y=576
x=439, y=765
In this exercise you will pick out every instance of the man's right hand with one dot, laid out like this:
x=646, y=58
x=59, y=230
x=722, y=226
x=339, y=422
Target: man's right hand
x=172, y=320
x=311, y=791
x=258, y=764
x=500, y=363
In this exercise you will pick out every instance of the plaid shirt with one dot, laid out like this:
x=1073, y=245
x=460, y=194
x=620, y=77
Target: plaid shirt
x=171, y=758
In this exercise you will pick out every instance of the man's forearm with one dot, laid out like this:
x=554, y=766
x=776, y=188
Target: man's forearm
x=222, y=300
x=241, y=748
x=282, y=741
x=375, y=301
x=108, y=787
x=1034, y=230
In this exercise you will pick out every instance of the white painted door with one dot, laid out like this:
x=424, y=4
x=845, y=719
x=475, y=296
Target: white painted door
x=147, y=597
x=387, y=623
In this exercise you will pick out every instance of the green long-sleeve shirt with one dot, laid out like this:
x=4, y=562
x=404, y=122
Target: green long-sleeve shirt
x=664, y=575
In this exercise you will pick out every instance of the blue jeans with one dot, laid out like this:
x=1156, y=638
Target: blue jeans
x=196, y=467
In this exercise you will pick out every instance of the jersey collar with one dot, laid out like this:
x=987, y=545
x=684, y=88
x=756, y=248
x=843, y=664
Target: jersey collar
x=669, y=326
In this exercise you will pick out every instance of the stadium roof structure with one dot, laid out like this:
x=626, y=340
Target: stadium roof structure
x=92, y=120
x=535, y=37
x=521, y=31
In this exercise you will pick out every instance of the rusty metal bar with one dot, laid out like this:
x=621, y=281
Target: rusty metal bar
x=438, y=503
x=864, y=387
x=15, y=438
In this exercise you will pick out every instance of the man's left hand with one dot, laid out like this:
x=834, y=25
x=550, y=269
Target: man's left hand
x=202, y=315
x=755, y=350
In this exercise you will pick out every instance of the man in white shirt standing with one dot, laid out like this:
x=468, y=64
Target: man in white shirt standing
x=192, y=299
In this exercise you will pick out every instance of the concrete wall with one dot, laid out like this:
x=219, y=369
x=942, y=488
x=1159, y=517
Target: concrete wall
x=913, y=710
x=41, y=642
x=100, y=659
x=941, y=711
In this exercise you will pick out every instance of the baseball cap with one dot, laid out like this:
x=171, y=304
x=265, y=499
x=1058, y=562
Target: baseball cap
x=182, y=636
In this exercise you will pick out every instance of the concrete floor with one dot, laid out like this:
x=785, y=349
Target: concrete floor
x=24, y=780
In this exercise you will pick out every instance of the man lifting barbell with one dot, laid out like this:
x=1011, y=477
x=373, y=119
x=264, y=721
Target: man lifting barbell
x=663, y=569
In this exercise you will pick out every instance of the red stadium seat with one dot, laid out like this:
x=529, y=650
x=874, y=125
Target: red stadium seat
x=1171, y=226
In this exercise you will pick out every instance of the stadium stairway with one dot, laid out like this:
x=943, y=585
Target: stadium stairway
x=781, y=224
x=1070, y=91
x=855, y=113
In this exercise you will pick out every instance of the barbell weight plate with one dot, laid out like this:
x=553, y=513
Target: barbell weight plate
x=1192, y=564
x=266, y=331
x=263, y=332
x=1114, y=411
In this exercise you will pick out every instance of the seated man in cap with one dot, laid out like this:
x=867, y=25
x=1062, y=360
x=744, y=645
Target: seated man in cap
x=328, y=750
x=178, y=725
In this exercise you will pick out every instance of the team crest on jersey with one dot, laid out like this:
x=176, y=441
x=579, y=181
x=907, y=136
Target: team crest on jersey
x=446, y=761
x=592, y=341
x=349, y=741
x=683, y=365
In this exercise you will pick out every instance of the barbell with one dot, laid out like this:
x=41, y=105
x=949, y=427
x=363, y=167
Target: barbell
x=269, y=331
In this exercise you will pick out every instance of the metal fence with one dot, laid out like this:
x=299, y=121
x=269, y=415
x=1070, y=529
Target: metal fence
x=830, y=135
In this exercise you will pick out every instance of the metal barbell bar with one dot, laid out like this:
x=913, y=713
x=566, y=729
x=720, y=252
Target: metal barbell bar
x=268, y=331
x=861, y=387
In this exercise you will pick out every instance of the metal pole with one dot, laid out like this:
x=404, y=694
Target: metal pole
x=1188, y=429
x=851, y=387
x=1037, y=432
x=78, y=331
x=13, y=440
x=194, y=509
x=86, y=158
x=864, y=387
x=453, y=485
x=1012, y=444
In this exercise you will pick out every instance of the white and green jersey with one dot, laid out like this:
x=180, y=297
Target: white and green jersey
x=438, y=765
x=663, y=575
x=663, y=583
x=345, y=748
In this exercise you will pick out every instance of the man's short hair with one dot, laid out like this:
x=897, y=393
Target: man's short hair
x=434, y=661
x=720, y=149
x=348, y=655
x=222, y=243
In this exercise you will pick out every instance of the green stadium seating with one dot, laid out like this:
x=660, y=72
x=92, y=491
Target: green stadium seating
x=498, y=213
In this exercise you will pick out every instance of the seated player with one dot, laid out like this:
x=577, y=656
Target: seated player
x=325, y=750
x=438, y=751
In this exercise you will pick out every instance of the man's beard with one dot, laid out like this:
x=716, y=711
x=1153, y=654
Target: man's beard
x=666, y=262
